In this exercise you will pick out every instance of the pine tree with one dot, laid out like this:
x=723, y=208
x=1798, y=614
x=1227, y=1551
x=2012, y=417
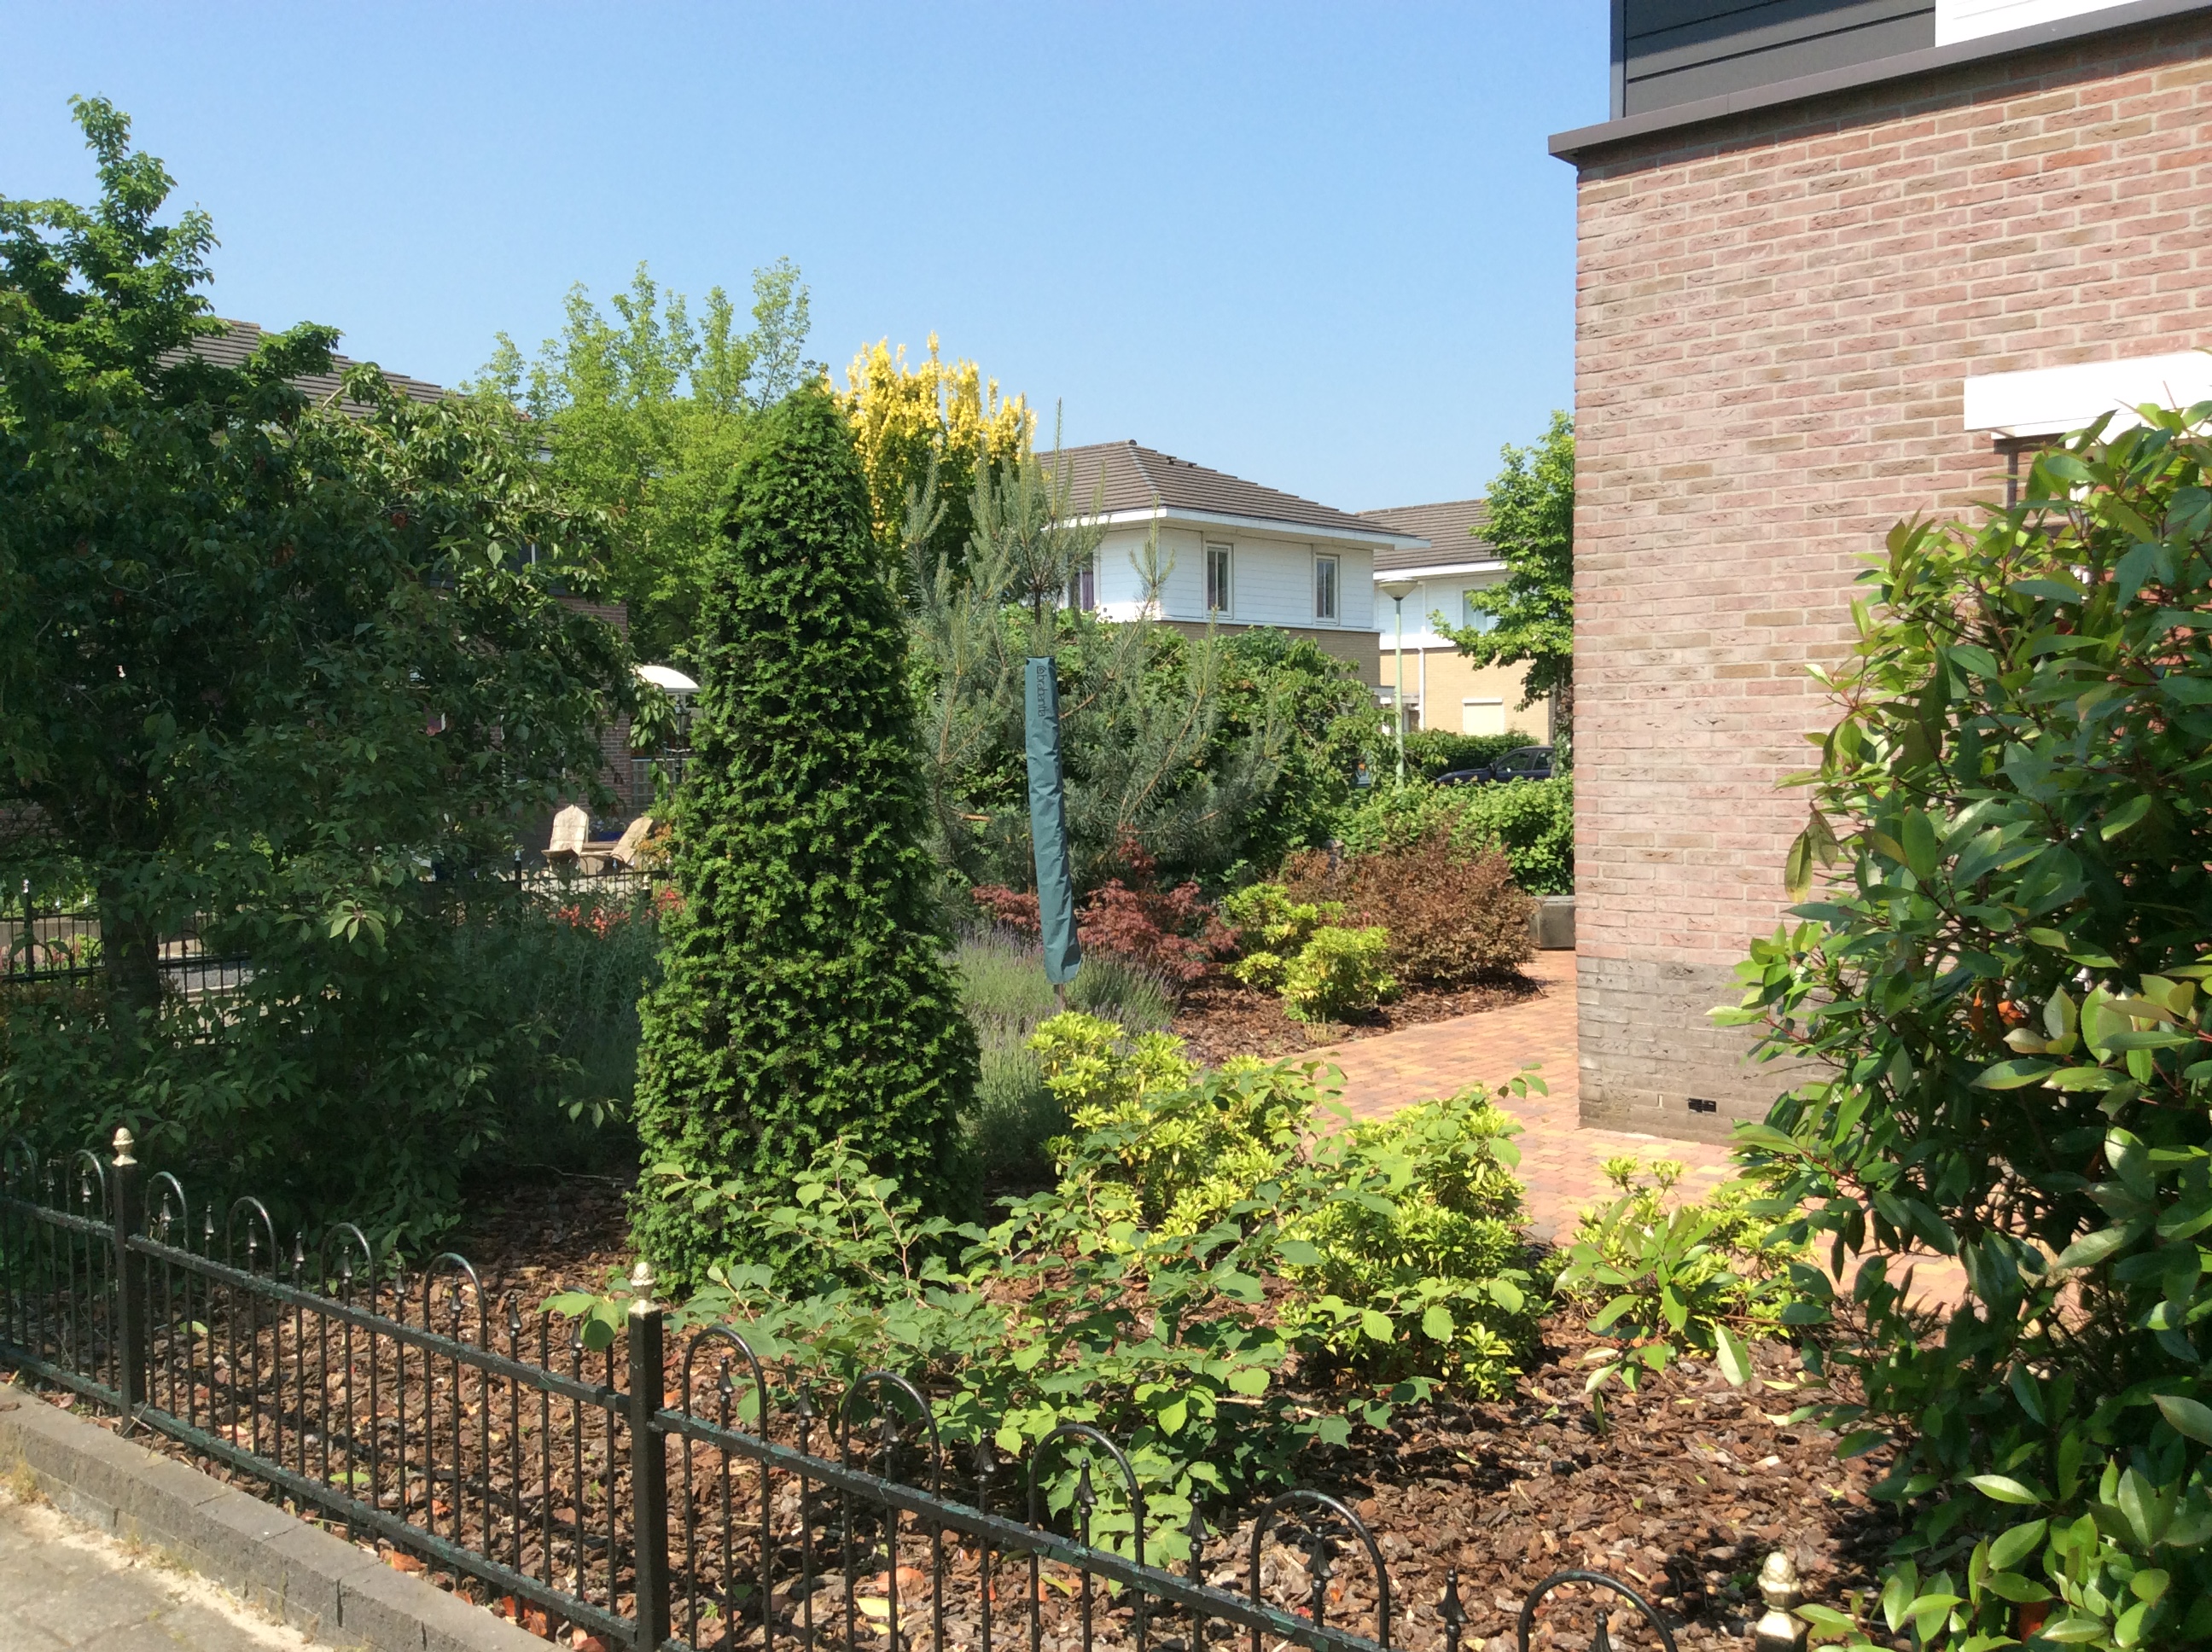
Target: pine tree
x=805, y=992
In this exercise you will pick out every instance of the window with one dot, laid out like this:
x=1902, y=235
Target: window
x=1482, y=717
x=1083, y=587
x=1217, y=579
x=1472, y=618
x=1325, y=588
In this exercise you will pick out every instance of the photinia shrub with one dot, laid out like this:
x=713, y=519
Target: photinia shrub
x=1998, y=986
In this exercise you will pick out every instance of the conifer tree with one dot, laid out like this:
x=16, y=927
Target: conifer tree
x=805, y=992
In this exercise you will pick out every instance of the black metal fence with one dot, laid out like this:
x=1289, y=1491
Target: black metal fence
x=54, y=945
x=655, y=1496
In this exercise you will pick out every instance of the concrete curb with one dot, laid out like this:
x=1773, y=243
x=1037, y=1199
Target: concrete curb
x=323, y=1585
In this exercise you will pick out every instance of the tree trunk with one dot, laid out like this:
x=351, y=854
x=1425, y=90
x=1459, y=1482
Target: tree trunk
x=129, y=954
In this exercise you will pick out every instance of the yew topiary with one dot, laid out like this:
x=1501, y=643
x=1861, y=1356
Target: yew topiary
x=806, y=994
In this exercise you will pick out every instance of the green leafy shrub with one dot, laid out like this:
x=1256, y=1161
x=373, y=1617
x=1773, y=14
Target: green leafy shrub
x=1666, y=1278
x=1134, y=1294
x=1421, y=1274
x=805, y=992
x=1192, y=1147
x=577, y=968
x=1403, y=1266
x=1999, y=981
x=1433, y=751
x=1274, y=929
x=1338, y=973
x=1532, y=822
x=264, y=664
x=1454, y=918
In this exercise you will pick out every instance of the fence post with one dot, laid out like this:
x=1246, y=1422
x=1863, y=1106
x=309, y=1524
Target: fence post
x=30, y=932
x=129, y=1279
x=648, y=1462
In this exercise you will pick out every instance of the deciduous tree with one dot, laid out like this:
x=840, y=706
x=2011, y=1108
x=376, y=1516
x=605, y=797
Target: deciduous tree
x=1531, y=616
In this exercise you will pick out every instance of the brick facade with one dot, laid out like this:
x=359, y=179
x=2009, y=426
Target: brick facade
x=1775, y=315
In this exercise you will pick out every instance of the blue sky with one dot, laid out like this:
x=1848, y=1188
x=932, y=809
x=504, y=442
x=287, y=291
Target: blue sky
x=1322, y=247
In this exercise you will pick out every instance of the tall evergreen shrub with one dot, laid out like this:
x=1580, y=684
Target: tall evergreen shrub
x=805, y=991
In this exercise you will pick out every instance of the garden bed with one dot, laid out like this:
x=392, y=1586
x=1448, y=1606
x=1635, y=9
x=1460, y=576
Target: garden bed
x=1219, y=1016
x=1684, y=1491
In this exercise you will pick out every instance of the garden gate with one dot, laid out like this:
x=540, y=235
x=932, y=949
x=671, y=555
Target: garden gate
x=653, y=1498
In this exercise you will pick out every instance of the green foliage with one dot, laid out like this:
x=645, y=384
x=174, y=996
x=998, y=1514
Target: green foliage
x=1003, y=990
x=1317, y=714
x=1322, y=970
x=1274, y=930
x=1419, y=1271
x=1133, y=1294
x=1664, y=1279
x=1338, y=973
x=2000, y=979
x=576, y=968
x=1532, y=821
x=262, y=667
x=805, y=995
x=1398, y=1234
x=1532, y=522
x=643, y=417
x=1433, y=751
x=1147, y=753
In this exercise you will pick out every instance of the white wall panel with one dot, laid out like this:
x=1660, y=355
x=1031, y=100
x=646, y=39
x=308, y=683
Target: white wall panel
x=1969, y=20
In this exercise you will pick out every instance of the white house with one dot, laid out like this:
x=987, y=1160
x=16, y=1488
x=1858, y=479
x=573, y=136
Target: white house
x=1226, y=550
x=1440, y=563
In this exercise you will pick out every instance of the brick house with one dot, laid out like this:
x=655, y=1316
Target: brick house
x=1838, y=260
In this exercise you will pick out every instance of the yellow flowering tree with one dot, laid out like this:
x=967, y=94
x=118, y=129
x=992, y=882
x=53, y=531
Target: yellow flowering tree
x=905, y=413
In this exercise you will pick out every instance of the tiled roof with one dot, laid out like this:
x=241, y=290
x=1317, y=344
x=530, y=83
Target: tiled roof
x=1123, y=477
x=231, y=349
x=1453, y=529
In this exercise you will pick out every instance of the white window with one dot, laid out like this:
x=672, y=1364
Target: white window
x=1083, y=587
x=1217, y=579
x=1473, y=618
x=1325, y=588
x=1482, y=717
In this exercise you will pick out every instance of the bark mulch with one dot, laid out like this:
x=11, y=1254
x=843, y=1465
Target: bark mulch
x=1220, y=1016
x=1681, y=1494
x=1681, y=1490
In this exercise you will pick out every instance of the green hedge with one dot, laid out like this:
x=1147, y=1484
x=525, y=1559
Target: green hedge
x=1433, y=751
x=1533, y=821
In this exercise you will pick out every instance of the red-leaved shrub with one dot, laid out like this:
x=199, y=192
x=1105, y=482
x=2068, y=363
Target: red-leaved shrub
x=1453, y=919
x=1174, y=933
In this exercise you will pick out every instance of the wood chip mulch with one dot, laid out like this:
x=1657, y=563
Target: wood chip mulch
x=1220, y=1016
x=1688, y=1486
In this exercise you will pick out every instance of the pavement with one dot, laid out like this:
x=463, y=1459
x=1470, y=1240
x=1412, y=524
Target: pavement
x=65, y=1585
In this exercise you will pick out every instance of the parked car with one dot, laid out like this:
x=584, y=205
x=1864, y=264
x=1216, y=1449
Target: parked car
x=1527, y=763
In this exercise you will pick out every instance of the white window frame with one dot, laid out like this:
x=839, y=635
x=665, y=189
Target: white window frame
x=1083, y=587
x=1333, y=565
x=1468, y=619
x=1226, y=588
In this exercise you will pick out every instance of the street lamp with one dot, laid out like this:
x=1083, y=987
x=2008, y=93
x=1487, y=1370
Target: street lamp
x=1398, y=590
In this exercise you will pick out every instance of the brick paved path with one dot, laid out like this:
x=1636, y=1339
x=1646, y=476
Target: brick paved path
x=1560, y=1161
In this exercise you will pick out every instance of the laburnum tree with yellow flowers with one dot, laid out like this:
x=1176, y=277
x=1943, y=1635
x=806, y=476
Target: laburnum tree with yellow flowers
x=905, y=415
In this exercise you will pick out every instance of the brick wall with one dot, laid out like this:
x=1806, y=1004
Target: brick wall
x=1774, y=317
